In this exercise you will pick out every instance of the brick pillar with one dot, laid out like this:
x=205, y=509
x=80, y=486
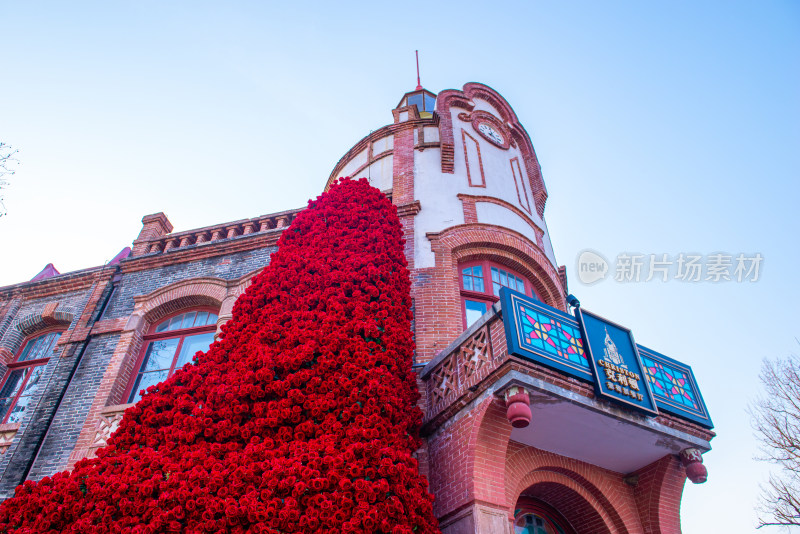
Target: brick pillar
x=153, y=226
x=658, y=495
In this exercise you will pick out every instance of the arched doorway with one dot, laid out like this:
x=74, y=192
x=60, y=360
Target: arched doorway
x=551, y=507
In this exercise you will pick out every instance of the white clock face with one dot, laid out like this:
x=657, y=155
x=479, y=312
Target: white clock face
x=491, y=133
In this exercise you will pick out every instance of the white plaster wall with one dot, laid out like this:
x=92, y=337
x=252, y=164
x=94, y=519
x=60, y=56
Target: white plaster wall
x=489, y=213
x=353, y=165
x=440, y=207
x=382, y=145
x=437, y=191
x=431, y=134
x=379, y=173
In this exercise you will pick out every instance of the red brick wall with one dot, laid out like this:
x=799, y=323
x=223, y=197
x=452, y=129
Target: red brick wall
x=658, y=496
x=472, y=463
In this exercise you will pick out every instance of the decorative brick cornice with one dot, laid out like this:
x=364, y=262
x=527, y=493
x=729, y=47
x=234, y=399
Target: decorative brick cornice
x=409, y=210
x=63, y=283
x=205, y=238
x=203, y=250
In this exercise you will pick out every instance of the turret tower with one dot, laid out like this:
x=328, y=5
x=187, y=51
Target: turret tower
x=537, y=418
x=464, y=175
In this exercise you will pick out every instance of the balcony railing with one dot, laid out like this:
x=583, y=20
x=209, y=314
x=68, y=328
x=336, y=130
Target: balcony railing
x=553, y=339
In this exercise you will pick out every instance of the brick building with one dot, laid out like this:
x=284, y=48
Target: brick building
x=535, y=421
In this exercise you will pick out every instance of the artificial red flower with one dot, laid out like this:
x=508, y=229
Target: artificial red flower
x=301, y=418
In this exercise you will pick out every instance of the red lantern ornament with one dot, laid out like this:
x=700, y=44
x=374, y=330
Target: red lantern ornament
x=518, y=407
x=692, y=460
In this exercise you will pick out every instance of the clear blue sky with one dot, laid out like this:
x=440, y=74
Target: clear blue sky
x=661, y=128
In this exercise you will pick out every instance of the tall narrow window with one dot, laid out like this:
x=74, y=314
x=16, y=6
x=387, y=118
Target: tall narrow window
x=24, y=376
x=170, y=345
x=480, y=287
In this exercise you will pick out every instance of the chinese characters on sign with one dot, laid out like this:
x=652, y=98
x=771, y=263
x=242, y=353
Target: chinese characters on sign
x=608, y=358
x=621, y=380
x=615, y=361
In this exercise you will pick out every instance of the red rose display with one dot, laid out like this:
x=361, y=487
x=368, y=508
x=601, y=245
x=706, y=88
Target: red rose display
x=301, y=418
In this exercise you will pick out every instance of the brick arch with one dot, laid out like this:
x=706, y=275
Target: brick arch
x=527, y=505
x=32, y=323
x=523, y=463
x=190, y=293
x=658, y=495
x=487, y=241
x=488, y=442
x=48, y=318
x=148, y=310
x=500, y=471
x=579, y=507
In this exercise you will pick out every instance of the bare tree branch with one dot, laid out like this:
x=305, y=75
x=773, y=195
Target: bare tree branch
x=776, y=421
x=7, y=161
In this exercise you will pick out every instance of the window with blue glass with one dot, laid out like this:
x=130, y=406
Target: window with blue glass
x=425, y=102
x=536, y=524
x=170, y=345
x=480, y=287
x=24, y=376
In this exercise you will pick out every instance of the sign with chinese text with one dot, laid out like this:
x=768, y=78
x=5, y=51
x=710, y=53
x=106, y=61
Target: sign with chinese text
x=648, y=380
x=615, y=362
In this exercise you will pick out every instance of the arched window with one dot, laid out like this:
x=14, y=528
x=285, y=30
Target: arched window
x=480, y=287
x=170, y=345
x=531, y=523
x=25, y=375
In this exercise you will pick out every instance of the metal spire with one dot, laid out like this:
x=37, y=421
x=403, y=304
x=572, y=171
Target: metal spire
x=419, y=86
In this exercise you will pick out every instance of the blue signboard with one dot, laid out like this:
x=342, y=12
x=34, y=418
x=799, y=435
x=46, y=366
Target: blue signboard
x=550, y=337
x=674, y=387
x=614, y=359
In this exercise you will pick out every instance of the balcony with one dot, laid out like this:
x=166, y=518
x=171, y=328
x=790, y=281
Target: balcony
x=523, y=344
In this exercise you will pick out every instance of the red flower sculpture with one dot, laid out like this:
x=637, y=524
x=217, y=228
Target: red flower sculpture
x=301, y=418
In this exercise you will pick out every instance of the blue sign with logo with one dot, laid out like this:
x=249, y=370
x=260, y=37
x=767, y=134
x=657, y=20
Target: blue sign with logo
x=599, y=351
x=615, y=362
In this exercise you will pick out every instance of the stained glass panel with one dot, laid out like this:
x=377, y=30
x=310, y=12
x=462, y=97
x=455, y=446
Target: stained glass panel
x=553, y=336
x=670, y=383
